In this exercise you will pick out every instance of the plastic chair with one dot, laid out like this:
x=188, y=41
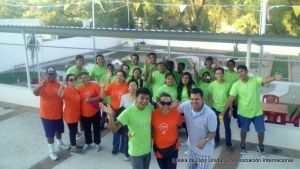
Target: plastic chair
x=270, y=98
x=294, y=118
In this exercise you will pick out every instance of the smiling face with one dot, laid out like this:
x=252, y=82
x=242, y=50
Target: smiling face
x=51, y=77
x=165, y=104
x=219, y=75
x=170, y=80
x=134, y=60
x=137, y=74
x=162, y=68
x=230, y=66
x=152, y=59
x=243, y=74
x=125, y=69
x=71, y=81
x=120, y=78
x=85, y=79
x=79, y=62
x=185, y=79
x=142, y=101
x=132, y=87
x=100, y=60
x=196, y=102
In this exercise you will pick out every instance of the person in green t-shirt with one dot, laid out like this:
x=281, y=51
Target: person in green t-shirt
x=203, y=85
x=99, y=69
x=149, y=62
x=77, y=69
x=138, y=119
x=169, y=87
x=156, y=79
x=133, y=64
x=218, y=92
x=126, y=69
x=246, y=89
x=208, y=68
x=185, y=86
x=108, y=78
x=171, y=68
x=137, y=72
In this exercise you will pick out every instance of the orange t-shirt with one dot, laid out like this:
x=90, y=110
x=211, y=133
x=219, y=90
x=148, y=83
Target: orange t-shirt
x=116, y=92
x=51, y=105
x=87, y=110
x=72, y=109
x=165, y=131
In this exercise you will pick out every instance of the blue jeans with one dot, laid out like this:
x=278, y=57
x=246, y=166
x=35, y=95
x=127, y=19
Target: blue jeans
x=226, y=122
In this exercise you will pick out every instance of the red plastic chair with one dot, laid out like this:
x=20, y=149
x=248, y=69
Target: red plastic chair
x=270, y=98
x=294, y=118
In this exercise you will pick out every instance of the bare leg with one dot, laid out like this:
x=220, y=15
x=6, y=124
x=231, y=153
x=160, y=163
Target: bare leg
x=58, y=135
x=260, y=136
x=243, y=137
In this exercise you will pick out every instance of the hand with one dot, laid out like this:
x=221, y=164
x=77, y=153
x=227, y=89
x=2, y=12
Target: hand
x=175, y=104
x=88, y=100
x=194, y=64
x=78, y=72
x=109, y=74
x=222, y=114
x=129, y=135
x=163, y=57
x=102, y=83
x=124, y=59
x=229, y=113
x=278, y=76
x=146, y=62
x=107, y=109
x=201, y=144
x=44, y=84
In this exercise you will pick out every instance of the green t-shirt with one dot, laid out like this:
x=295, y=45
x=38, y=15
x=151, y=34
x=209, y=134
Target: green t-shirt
x=203, y=86
x=184, y=95
x=158, y=79
x=219, y=93
x=171, y=90
x=97, y=72
x=248, y=97
x=139, y=125
x=73, y=70
x=131, y=69
x=177, y=77
x=231, y=77
x=147, y=68
x=212, y=74
x=105, y=77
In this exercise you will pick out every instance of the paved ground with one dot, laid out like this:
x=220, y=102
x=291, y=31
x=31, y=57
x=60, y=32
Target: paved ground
x=23, y=145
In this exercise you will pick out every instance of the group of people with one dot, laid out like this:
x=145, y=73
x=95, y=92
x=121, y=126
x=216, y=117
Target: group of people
x=141, y=106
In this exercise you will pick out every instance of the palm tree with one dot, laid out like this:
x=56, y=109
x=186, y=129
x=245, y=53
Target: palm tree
x=33, y=45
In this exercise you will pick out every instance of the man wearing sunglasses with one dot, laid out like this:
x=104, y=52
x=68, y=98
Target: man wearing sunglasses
x=201, y=122
x=51, y=111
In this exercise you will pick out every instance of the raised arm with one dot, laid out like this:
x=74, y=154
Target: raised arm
x=102, y=86
x=60, y=92
x=38, y=88
x=150, y=73
x=270, y=79
x=198, y=78
x=113, y=125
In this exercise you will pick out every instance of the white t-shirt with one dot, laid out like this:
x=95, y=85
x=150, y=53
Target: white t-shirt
x=125, y=102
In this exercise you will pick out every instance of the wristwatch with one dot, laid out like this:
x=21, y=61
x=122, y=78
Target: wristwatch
x=207, y=139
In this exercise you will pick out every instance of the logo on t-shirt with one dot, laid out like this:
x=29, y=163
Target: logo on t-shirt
x=55, y=90
x=143, y=123
x=87, y=94
x=77, y=97
x=119, y=94
x=163, y=127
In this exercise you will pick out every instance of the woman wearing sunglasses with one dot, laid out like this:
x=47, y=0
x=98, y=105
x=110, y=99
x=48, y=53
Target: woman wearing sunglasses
x=169, y=87
x=165, y=133
x=72, y=111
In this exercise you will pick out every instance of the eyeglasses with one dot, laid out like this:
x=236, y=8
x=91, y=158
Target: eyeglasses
x=72, y=80
x=165, y=103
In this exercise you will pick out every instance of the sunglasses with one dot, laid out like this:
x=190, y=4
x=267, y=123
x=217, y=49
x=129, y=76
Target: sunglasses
x=165, y=103
x=72, y=80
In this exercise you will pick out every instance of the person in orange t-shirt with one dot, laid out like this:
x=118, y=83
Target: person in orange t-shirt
x=164, y=122
x=51, y=111
x=90, y=93
x=116, y=90
x=72, y=109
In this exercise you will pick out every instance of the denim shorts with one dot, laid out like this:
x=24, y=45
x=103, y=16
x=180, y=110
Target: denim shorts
x=258, y=122
x=52, y=126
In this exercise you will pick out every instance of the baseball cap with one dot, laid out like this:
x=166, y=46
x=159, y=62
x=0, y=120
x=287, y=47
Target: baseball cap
x=50, y=70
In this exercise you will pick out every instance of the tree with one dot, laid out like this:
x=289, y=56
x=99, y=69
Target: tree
x=33, y=45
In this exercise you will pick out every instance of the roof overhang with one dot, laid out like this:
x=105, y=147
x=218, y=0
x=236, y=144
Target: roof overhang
x=155, y=34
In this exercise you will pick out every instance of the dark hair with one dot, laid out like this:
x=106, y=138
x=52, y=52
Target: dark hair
x=84, y=73
x=154, y=54
x=197, y=91
x=68, y=75
x=132, y=80
x=170, y=65
x=242, y=67
x=169, y=74
x=204, y=73
x=182, y=64
x=135, y=70
x=143, y=90
x=110, y=65
x=125, y=65
x=164, y=94
x=189, y=85
x=219, y=68
x=232, y=61
x=137, y=56
x=123, y=72
x=79, y=57
x=99, y=55
x=208, y=58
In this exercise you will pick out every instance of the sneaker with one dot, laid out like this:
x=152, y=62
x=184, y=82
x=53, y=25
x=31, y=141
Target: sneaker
x=77, y=151
x=114, y=152
x=217, y=144
x=62, y=146
x=261, y=150
x=126, y=159
x=243, y=149
x=186, y=153
x=97, y=147
x=78, y=135
x=53, y=156
x=86, y=147
x=229, y=150
x=183, y=144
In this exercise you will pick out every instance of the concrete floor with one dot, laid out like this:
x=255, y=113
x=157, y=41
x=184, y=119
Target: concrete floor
x=23, y=145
